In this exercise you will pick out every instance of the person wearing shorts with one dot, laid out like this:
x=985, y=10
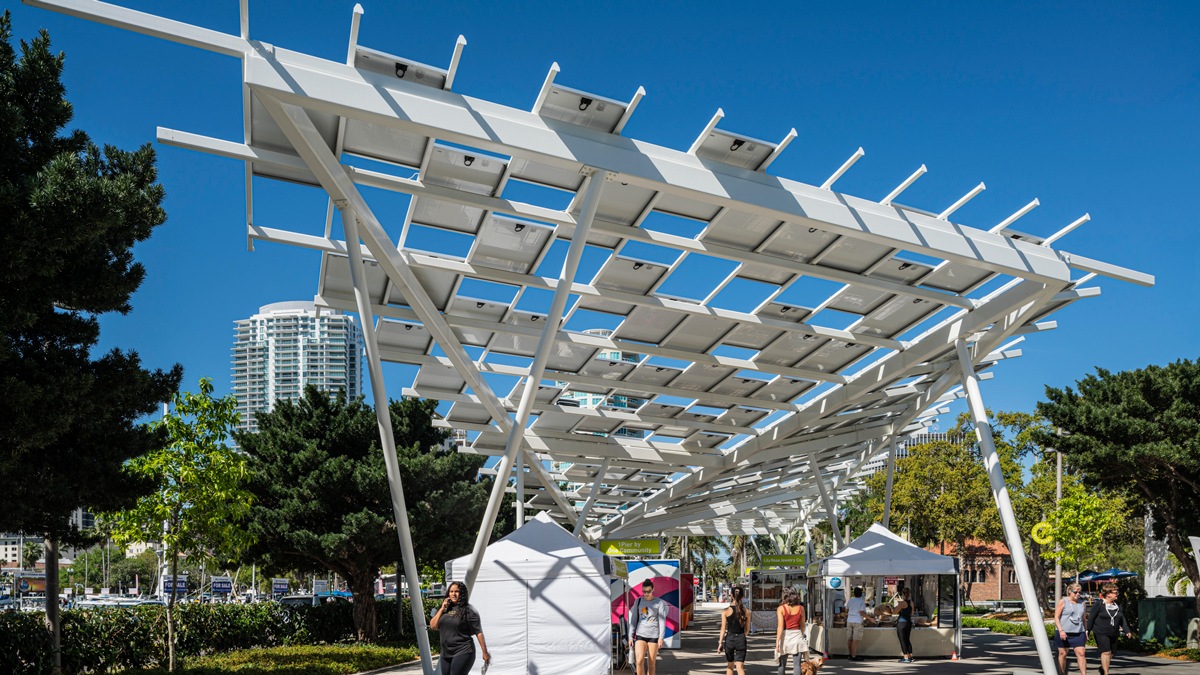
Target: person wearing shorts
x=856, y=611
x=1107, y=622
x=734, y=620
x=648, y=627
x=1069, y=634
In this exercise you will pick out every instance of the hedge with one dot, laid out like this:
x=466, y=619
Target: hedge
x=112, y=638
x=1020, y=628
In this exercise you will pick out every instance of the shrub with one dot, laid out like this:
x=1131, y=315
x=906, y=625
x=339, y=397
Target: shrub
x=112, y=638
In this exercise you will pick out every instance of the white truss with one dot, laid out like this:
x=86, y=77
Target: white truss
x=740, y=441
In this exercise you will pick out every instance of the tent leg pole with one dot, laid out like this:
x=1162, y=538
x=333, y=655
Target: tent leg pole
x=384, y=416
x=587, y=506
x=830, y=514
x=1012, y=535
x=516, y=435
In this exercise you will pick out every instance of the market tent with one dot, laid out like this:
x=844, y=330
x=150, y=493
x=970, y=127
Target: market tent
x=1112, y=574
x=543, y=599
x=880, y=552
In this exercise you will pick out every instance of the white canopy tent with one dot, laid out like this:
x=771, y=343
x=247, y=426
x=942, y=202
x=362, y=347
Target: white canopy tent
x=543, y=599
x=879, y=552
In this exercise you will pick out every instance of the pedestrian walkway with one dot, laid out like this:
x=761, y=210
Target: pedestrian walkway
x=983, y=651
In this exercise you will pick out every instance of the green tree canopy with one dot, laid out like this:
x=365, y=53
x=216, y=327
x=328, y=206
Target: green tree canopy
x=200, y=501
x=1137, y=432
x=323, y=500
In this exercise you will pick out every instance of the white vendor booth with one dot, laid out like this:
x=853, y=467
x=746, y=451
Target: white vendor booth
x=932, y=580
x=543, y=597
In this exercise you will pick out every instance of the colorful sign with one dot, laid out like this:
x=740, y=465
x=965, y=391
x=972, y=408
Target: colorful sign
x=665, y=576
x=835, y=582
x=620, y=568
x=890, y=581
x=320, y=587
x=630, y=546
x=31, y=582
x=783, y=561
x=222, y=585
x=280, y=585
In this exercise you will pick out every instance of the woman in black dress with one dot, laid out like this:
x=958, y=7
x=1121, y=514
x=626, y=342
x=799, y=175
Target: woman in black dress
x=1107, y=622
x=456, y=623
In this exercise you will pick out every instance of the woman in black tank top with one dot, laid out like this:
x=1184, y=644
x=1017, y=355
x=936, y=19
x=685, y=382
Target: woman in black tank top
x=734, y=620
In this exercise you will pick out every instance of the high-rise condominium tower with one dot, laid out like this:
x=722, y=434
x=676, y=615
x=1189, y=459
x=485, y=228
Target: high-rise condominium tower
x=287, y=346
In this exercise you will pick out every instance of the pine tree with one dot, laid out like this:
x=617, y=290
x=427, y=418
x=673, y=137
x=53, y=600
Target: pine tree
x=1138, y=432
x=322, y=500
x=70, y=214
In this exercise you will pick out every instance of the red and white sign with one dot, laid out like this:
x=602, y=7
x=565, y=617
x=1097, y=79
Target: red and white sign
x=891, y=581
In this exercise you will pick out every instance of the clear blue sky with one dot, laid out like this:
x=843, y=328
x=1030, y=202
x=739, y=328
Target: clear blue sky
x=1090, y=109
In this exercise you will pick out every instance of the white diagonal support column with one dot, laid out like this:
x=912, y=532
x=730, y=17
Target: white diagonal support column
x=830, y=514
x=587, y=506
x=308, y=142
x=1012, y=534
x=891, y=469
x=384, y=416
x=591, y=200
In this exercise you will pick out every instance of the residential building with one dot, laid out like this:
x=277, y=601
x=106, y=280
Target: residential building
x=591, y=399
x=902, y=447
x=287, y=346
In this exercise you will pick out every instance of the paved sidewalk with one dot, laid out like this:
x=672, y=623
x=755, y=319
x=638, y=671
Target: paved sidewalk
x=984, y=652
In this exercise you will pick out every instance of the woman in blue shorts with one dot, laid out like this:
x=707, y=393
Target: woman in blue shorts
x=1069, y=633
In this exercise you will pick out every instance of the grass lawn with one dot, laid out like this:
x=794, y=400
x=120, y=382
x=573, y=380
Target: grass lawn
x=301, y=660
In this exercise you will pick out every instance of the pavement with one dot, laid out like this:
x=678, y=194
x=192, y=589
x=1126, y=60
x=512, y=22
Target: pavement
x=983, y=652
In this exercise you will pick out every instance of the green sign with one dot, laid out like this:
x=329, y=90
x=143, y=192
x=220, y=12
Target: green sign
x=783, y=561
x=630, y=546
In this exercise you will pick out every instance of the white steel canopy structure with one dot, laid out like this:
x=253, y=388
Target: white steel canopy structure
x=750, y=420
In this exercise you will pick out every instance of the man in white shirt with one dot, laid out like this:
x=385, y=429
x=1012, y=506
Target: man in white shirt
x=856, y=611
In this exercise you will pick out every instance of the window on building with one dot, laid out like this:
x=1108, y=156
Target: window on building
x=1012, y=577
x=982, y=575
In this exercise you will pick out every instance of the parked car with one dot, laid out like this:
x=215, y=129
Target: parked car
x=310, y=600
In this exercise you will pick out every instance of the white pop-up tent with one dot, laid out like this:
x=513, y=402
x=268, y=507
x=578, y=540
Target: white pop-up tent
x=879, y=552
x=543, y=598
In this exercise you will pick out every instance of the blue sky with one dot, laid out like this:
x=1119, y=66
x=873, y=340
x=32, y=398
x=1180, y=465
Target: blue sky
x=1089, y=108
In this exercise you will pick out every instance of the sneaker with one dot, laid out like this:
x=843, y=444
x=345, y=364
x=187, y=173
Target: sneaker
x=905, y=661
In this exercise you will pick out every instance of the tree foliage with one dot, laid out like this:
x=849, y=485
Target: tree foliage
x=1080, y=524
x=200, y=501
x=1137, y=432
x=323, y=501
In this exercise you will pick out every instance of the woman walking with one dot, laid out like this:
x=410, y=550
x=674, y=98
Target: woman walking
x=789, y=633
x=649, y=627
x=1107, y=622
x=1070, y=635
x=904, y=625
x=456, y=623
x=734, y=620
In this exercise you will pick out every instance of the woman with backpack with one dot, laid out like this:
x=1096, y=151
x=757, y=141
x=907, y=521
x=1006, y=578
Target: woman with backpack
x=648, y=627
x=734, y=620
x=1106, y=622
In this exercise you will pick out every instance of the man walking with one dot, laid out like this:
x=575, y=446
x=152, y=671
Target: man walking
x=856, y=611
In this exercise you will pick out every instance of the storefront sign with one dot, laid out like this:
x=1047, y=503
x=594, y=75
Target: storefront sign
x=620, y=568
x=835, y=582
x=783, y=561
x=891, y=581
x=280, y=585
x=222, y=585
x=630, y=546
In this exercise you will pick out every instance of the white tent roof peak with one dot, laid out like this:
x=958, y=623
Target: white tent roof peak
x=539, y=549
x=879, y=551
